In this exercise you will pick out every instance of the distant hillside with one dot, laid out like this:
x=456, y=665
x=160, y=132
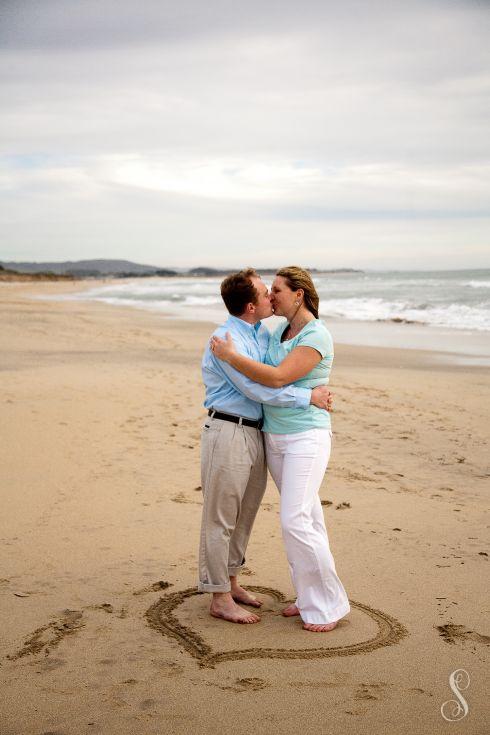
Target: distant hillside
x=83, y=268
x=102, y=268
x=205, y=271
x=7, y=274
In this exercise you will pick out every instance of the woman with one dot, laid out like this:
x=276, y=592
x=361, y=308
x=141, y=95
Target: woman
x=298, y=444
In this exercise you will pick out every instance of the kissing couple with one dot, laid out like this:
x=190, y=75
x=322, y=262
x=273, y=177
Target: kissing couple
x=268, y=406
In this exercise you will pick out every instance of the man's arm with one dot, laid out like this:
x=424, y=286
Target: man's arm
x=289, y=396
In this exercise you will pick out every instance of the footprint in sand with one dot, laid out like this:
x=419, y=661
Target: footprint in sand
x=181, y=498
x=147, y=704
x=155, y=587
x=105, y=606
x=357, y=476
x=341, y=680
x=49, y=664
x=370, y=691
x=452, y=633
x=251, y=684
x=168, y=668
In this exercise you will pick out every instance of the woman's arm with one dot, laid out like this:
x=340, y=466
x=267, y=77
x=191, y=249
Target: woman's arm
x=296, y=365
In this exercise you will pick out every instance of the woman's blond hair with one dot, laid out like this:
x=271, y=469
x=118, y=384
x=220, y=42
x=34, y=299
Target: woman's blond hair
x=297, y=278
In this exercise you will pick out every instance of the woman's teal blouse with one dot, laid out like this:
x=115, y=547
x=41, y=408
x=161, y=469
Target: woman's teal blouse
x=281, y=420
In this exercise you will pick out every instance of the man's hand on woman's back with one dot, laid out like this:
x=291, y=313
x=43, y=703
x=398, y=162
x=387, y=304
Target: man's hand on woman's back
x=322, y=397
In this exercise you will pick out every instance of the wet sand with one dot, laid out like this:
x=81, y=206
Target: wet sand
x=103, y=632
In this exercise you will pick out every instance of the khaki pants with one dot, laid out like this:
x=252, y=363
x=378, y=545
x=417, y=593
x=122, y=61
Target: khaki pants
x=233, y=480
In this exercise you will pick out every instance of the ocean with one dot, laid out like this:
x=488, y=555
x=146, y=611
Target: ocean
x=444, y=310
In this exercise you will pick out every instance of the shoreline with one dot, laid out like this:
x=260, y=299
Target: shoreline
x=473, y=346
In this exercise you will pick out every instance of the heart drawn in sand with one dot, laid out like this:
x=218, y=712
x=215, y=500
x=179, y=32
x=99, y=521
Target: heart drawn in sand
x=161, y=617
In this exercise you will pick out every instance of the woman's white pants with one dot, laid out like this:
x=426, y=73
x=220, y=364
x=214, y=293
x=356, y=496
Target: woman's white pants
x=297, y=463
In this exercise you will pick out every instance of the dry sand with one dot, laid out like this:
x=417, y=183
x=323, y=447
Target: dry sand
x=102, y=631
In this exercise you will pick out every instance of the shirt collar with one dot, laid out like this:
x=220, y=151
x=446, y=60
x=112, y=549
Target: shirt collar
x=243, y=326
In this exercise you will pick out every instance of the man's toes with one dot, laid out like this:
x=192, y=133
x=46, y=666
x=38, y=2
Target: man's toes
x=243, y=616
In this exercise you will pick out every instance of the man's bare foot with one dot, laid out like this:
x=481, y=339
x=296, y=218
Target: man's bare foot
x=223, y=606
x=321, y=628
x=290, y=610
x=241, y=595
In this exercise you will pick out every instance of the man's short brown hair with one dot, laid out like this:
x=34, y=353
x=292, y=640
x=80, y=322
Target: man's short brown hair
x=237, y=290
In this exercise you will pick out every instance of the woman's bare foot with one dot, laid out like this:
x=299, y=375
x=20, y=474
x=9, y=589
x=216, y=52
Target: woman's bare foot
x=243, y=596
x=290, y=610
x=223, y=606
x=321, y=628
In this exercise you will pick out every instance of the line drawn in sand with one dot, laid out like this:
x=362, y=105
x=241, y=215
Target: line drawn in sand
x=160, y=616
x=49, y=636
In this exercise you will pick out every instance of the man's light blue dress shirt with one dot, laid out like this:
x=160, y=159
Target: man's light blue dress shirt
x=229, y=391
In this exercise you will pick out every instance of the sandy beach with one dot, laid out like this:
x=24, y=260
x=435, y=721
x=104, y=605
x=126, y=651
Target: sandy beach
x=102, y=629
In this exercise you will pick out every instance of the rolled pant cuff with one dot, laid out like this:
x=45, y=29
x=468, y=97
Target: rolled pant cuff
x=234, y=571
x=205, y=587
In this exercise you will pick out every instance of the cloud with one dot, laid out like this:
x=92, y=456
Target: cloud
x=262, y=112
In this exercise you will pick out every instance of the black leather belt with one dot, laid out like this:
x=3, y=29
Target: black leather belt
x=236, y=419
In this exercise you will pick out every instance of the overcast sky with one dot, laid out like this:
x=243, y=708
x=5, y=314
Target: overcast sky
x=222, y=132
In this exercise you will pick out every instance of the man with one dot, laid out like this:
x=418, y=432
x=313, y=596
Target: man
x=233, y=466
